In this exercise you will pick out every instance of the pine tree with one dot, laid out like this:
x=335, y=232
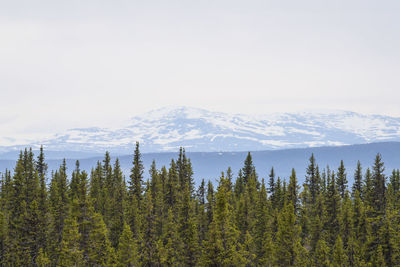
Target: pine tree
x=268, y=256
x=185, y=172
x=58, y=199
x=148, y=244
x=187, y=229
x=332, y=204
x=116, y=204
x=220, y=246
x=170, y=245
x=322, y=254
x=239, y=184
x=262, y=222
x=346, y=220
x=358, y=180
x=172, y=186
x=201, y=212
x=70, y=254
x=293, y=191
x=312, y=179
x=341, y=180
x=74, y=183
x=136, y=181
x=271, y=185
x=127, y=249
x=395, y=181
x=339, y=257
x=43, y=224
x=248, y=168
x=210, y=203
x=367, y=191
x=24, y=215
x=317, y=222
x=287, y=238
x=378, y=204
x=81, y=208
x=379, y=184
x=3, y=235
x=99, y=247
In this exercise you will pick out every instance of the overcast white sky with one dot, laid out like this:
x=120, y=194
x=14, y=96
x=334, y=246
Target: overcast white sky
x=81, y=63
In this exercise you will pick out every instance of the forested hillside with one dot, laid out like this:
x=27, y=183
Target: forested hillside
x=102, y=218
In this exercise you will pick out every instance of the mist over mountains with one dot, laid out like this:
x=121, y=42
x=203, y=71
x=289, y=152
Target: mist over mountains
x=199, y=130
x=214, y=141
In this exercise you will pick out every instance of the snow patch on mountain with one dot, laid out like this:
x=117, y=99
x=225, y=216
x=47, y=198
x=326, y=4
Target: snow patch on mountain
x=167, y=129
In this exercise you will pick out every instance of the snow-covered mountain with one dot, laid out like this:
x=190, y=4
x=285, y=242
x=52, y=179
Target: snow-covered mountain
x=167, y=129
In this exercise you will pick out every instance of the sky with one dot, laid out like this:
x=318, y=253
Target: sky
x=67, y=64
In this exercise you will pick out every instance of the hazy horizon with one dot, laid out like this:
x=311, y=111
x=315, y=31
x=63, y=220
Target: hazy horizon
x=97, y=63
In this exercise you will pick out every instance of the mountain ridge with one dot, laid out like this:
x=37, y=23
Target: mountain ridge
x=209, y=165
x=200, y=130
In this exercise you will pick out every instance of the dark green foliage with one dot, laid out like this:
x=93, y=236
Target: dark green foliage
x=341, y=179
x=312, y=179
x=166, y=222
x=136, y=181
x=358, y=180
x=127, y=249
x=70, y=254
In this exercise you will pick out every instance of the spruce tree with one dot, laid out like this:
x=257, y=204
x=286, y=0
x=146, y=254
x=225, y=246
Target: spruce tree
x=287, y=238
x=248, y=168
x=312, y=179
x=339, y=257
x=379, y=184
x=358, y=180
x=70, y=254
x=116, y=204
x=127, y=249
x=341, y=179
x=293, y=191
x=187, y=229
x=58, y=199
x=322, y=254
x=136, y=177
x=220, y=247
x=43, y=224
x=271, y=184
x=148, y=241
x=332, y=204
x=99, y=247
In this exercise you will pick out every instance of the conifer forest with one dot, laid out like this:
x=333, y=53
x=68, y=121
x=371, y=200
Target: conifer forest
x=103, y=218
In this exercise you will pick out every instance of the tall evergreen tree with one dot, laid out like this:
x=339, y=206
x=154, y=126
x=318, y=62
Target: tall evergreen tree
x=341, y=179
x=41, y=168
x=136, y=177
x=358, y=180
x=293, y=191
x=70, y=254
x=271, y=184
x=220, y=248
x=332, y=204
x=127, y=249
x=312, y=179
x=99, y=247
x=248, y=168
x=287, y=238
x=58, y=199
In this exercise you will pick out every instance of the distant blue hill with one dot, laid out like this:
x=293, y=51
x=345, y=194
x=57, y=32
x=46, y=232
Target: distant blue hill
x=209, y=165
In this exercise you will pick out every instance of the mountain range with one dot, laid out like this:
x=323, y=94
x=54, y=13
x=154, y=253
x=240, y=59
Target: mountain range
x=209, y=165
x=199, y=130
